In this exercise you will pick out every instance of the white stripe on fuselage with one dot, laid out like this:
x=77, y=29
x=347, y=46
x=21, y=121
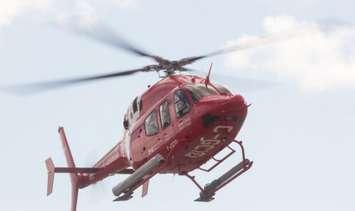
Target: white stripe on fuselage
x=127, y=145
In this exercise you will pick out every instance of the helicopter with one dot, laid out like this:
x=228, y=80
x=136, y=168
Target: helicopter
x=175, y=127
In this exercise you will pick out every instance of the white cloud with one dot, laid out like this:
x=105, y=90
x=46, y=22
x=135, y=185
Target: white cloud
x=321, y=57
x=81, y=12
x=9, y=9
x=52, y=9
x=123, y=3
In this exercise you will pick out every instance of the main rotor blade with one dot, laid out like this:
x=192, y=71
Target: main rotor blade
x=44, y=86
x=244, y=84
x=108, y=36
x=253, y=43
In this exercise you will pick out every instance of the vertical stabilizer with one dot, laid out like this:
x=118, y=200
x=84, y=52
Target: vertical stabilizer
x=71, y=169
x=68, y=155
x=70, y=162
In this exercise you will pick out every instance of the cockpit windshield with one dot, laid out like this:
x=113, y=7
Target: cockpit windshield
x=223, y=90
x=200, y=90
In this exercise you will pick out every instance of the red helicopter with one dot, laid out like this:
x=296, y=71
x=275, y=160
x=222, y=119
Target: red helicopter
x=177, y=125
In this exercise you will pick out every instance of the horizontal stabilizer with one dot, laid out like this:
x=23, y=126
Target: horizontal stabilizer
x=50, y=169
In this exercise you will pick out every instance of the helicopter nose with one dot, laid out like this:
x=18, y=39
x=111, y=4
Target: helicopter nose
x=235, y=102
x=227, y=108
x=234, y=105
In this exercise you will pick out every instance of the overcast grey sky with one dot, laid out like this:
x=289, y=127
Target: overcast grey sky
x=300, y=133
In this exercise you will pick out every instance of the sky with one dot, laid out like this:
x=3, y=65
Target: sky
x=299, y=131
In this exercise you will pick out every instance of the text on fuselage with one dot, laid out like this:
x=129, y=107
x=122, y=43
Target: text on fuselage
x=206, y=145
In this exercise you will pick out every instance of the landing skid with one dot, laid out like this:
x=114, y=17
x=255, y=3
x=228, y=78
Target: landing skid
x=125, y=197
x=141, y=176
x=208, y=192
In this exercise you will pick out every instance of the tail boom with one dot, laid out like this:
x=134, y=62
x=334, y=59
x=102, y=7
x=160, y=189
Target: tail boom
x=112, y=163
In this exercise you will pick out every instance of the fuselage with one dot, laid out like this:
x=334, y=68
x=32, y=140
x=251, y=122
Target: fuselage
x=181, y=117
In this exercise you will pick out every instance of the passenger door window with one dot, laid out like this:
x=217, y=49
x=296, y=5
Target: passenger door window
x=164, y=114
x=151, y=124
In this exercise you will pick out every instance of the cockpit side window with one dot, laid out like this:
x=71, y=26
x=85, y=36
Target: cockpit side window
x=182, y=105
x=125, y=122
x=135, y=105
x=151, y=124
x=140, y=105
x=164, y=114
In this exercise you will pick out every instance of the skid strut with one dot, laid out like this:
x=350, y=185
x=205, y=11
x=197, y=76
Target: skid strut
x=207, y=193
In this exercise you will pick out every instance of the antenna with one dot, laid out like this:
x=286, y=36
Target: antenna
x=207, y=80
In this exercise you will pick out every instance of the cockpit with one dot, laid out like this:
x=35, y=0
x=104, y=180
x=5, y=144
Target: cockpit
x=181, y=101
